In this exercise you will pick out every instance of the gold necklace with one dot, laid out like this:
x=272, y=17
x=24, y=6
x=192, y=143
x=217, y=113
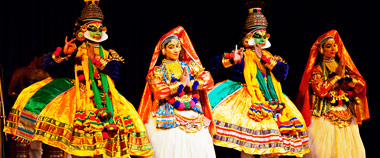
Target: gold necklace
x=331, y=65
x=172, y=67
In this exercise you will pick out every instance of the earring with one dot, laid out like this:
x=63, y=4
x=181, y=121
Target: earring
x=80, y=33
x=320, y=50
x=245, y=42
x=163, y=52
x=104, y=29
x=80, y=36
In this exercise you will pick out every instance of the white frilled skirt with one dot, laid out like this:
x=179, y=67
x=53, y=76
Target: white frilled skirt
x=328, y=140
x=175, y=143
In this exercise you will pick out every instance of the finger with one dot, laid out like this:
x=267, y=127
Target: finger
x=186, y=70
x=241, y=51
x=74, y=46
x=66, y=39
x=72, y=40
x=234, y=51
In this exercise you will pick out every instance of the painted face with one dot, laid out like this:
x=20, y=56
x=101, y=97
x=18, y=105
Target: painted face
x=172, y=50
x=329, y=49
x=95, y=30
x=259, y=37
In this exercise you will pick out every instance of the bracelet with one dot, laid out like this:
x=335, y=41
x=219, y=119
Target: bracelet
x=269, y=61
x=353, y=82
x=227, y=62
x=99, y=62
x=334, y=79
x=56, y=56
x=197, y=84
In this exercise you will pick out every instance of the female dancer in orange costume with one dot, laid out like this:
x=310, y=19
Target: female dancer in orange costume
x=175, y=105
x=337, y=102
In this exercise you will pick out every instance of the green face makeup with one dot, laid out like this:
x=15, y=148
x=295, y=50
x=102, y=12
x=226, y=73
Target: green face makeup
x=95, y=30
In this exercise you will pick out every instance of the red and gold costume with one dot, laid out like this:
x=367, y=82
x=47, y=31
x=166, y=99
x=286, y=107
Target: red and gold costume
x=335, y=105
x=178, y=120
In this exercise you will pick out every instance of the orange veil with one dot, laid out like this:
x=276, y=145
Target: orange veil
x=303, y=98
x=188, y=53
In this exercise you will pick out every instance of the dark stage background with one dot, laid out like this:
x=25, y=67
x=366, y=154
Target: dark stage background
x=30, y=28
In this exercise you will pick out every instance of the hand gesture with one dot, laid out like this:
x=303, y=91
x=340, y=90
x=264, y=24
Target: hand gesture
x=69, y=47
x=258, y=50
x=185, y=77
x=341, y=69
x=238, y=54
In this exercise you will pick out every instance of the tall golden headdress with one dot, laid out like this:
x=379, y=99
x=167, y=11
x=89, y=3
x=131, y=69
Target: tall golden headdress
x=92, y=11
x=255, y=19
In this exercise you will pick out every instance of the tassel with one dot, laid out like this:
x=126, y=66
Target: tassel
x=105, y=135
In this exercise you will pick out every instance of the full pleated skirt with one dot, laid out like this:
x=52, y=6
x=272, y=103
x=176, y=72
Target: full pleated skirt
x=176, y=143
x=49, y=111
x=235, y=129
x=329, y=140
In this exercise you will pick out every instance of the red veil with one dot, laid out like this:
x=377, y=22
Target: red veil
x=188, y=53
x=303, y=100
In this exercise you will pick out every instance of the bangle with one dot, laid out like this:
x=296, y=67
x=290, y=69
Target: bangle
x=226, y=62
x=194, y=84
x=100, y=62
x=334, y=79
x=353, y=82
x=176, y=87
x=269, y=61
x=58, y=59
x=200, y=84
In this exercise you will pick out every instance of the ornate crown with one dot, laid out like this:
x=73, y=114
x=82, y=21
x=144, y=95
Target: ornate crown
x=255, y=18
x=92, y=11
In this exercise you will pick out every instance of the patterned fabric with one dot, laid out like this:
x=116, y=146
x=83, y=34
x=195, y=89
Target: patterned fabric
x=165, y=117
x=280, y=134
x=65, y=116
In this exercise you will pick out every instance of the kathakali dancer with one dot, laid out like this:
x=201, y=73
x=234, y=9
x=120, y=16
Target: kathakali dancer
x=78, y=109
x=252, y=113
x=174, y=105
x=332, y=99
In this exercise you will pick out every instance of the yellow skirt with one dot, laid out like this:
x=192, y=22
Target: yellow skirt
x=329, y=140
x=57, y=125
x=235, y=129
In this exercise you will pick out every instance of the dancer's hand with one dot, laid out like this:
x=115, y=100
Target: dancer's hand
x=69, y=47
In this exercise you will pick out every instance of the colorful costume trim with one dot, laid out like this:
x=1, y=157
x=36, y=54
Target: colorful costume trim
x=303, y=98
x=67, y=118
x=280, y=135
x=175, y=113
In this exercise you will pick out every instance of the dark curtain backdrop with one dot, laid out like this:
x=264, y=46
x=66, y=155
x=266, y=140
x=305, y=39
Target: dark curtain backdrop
x=31, y=28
